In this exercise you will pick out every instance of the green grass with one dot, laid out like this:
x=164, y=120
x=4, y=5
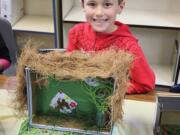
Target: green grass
x=26, y=130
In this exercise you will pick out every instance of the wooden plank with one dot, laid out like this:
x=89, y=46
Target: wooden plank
x=8, y=83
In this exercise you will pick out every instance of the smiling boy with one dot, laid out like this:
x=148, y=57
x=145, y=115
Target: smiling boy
x=102, y=31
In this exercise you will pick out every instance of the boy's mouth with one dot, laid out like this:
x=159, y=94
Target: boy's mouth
x=99, y=20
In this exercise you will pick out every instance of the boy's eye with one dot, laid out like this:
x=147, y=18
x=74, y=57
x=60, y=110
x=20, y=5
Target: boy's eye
x=91, y=4
x=108, y=4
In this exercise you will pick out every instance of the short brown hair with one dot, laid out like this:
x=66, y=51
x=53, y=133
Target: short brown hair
x=119, y=1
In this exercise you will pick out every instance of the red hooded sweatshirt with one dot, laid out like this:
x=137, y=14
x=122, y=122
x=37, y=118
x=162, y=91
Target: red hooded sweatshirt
x=82, y=37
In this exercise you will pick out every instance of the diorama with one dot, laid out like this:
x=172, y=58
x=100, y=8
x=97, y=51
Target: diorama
x=66, y=105
x=72, y=93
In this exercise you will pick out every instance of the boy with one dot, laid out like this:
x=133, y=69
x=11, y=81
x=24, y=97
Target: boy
x=101, y=31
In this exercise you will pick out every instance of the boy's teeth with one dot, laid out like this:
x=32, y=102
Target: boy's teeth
x=100, y=20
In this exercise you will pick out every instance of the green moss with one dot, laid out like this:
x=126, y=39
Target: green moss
x=26, y=130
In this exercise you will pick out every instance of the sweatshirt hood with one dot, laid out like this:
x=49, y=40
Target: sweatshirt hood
x=122, y=31
x=103, y=40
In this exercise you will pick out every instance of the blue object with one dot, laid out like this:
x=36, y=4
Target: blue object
x=175, y=88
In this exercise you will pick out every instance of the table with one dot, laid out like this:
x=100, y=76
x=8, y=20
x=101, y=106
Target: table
x=139, y=112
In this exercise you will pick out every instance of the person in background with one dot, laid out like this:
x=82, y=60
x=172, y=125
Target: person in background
x=4, y=56
x=102, y=31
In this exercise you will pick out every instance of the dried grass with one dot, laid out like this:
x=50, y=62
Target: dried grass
x=77, y=66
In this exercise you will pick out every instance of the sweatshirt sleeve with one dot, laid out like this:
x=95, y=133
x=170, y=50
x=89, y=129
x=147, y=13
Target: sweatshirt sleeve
x=142, y=77
x=5, y=63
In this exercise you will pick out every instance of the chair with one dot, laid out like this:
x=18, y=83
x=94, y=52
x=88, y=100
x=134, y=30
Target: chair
x=167, y=115
x=7, y=34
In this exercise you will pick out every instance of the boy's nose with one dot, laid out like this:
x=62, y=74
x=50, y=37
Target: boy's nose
x=99, y=11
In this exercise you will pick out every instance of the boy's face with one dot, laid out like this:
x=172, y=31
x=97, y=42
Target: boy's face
x=101, y=14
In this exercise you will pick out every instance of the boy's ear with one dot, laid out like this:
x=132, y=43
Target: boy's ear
x=121, y=6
